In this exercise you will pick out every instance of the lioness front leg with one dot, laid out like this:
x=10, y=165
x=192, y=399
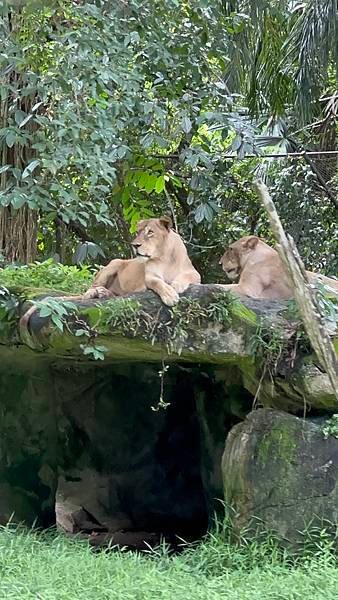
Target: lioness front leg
x=168, y=295
x=103, y=281
x=180, y=284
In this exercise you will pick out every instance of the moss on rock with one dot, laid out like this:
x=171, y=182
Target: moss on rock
x=280, y=474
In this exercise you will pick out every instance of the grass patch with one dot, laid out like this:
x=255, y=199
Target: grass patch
x=51, y=567
x=48, y=274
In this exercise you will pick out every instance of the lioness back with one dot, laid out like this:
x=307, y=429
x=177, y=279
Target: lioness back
x=260, y=271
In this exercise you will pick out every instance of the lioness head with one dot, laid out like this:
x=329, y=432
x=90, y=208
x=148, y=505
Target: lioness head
x=233, y=258
x=151, y=236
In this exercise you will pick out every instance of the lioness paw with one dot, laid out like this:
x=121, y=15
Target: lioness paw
x=97, y=292
x=179, y=286
x=102, y=292
x=89, y=294
x=169, y=297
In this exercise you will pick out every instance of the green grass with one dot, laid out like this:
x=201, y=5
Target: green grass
x=52, y=567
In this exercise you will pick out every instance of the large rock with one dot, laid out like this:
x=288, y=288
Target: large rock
x=280, y=473
x=208, y=325
x=87, y=427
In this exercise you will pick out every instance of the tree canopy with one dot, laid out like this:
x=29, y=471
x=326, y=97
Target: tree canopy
x=112, y=111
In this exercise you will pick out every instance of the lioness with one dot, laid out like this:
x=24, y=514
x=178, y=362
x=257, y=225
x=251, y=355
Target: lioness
x=260, y=270
x=162, y=264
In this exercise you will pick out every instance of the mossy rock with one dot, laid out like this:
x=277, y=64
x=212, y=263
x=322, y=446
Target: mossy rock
x=280, y=474
x=207, y=326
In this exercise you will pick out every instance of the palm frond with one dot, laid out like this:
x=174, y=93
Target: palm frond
x=269, y=87
x=308, y=51
x=255, y=52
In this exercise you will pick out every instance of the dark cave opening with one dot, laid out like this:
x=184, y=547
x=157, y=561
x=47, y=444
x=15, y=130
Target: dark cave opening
x=128, y=464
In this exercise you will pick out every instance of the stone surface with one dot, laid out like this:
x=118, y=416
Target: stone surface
x=28, y=446
x=224, y=338
x=280, y=473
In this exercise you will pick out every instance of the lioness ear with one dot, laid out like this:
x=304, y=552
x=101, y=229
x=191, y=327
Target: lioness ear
x=166, y=222
x=251, y=242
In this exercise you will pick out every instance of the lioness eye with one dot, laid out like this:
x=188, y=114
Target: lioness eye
x=150, y=232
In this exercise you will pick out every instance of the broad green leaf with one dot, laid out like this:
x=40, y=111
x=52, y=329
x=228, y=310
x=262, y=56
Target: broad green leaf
x=19, y=116
x=30, y=168
x=143, y=180
x=57, y=322
x=186, y=124
x=160, y=184
x=10, y=139
x=45, y=311
x=150, y=184
x=18, y=201
x=25, y=121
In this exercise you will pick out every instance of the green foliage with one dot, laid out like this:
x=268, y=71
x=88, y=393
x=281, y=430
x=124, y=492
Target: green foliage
x=310, y=53
x=330, y=428
x=173, y=326
x=124, y=314
x=306, y=214
x=8, y=307
x=48, y=274
x=188, y=313
x=94, y=351
x=113, y=114
x=282, y=55
x=268, y=346
x=55, y=309
x=327, y=300
x=112, y=90
x=46, y=565
x=278, y=348
x=64, y=315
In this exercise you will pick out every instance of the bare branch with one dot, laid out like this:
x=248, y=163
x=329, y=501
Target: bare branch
x=305, y=297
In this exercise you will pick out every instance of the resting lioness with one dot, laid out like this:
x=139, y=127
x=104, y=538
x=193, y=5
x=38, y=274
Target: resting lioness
x=260, y=270
x=162, y=265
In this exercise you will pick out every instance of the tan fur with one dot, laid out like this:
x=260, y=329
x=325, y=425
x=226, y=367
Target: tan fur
x=162, y=265
x=260, y=270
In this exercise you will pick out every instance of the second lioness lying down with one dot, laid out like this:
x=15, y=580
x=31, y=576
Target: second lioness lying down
x=260, y=272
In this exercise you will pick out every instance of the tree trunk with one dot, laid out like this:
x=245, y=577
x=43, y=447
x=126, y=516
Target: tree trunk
x=18, y=231
x=18, y=227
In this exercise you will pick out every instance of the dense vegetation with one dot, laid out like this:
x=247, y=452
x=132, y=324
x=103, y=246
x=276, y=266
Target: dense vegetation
x=113, y=111
x=53, y=567
x=116, y=110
